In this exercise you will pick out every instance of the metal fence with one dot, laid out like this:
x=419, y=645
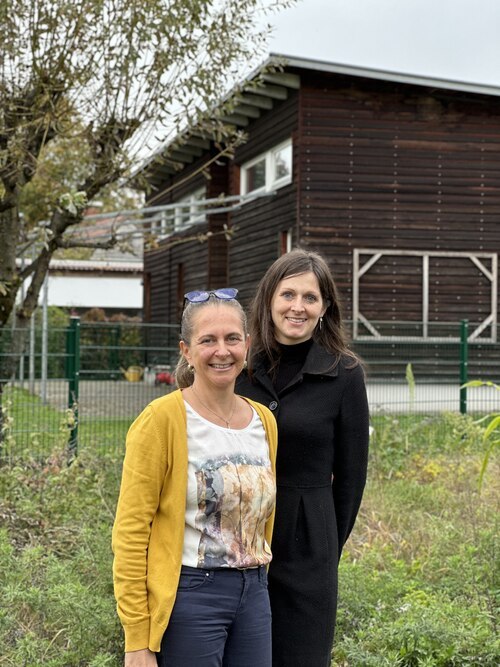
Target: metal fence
x=81, y=386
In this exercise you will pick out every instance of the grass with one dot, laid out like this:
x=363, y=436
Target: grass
x=36, y=428
x=418, y=584
x=56, y=600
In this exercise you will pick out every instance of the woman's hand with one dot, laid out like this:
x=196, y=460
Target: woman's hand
x=142, y=658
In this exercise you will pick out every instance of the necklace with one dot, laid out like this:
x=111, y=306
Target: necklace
x=226, y=421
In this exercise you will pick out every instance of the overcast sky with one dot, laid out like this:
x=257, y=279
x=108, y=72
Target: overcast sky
x=451, y=39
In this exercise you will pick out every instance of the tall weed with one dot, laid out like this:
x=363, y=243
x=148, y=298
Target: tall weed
x=418, y=584
x=56, y=599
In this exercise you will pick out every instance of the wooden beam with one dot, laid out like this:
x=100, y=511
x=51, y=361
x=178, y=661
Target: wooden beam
x=283, y=79
x=255, y=100
x=275, y=92
x=235, y=119
x=247, y=110
x=197, y=140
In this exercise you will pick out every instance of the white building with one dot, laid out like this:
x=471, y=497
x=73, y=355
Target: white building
x=114, y=285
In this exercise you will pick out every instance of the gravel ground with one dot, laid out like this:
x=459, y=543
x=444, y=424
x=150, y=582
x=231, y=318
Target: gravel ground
x=97, y=398
x=119, y=398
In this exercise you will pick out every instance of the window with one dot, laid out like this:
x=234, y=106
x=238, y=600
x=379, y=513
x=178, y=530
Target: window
x=181, y=214
x=188, y=210
x=269, y=171
x=285, y=241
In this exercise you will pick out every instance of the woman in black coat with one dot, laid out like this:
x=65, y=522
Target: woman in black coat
x=302, y=369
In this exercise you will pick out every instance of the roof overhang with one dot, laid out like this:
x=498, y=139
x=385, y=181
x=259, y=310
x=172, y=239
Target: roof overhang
x=251, y=100
x=387, y=75
x=89, y=266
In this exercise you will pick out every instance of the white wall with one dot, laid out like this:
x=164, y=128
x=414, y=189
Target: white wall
x=106, y=291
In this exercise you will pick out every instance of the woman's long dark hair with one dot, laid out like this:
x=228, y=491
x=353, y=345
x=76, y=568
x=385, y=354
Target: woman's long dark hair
x=330, y=335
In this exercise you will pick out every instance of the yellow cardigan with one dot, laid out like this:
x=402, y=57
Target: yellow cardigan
x=148, y=532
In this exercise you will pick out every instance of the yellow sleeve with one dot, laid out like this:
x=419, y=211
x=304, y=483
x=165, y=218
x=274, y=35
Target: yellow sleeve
x=144, y=470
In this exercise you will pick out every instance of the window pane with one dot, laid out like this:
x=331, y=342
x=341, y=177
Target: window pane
x=188, y=212
x=256, y=176
x=283, y=163
x=182, y=214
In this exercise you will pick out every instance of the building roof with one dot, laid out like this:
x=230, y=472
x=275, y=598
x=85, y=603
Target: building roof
x=92, y=266
x=387, y=75
x=251, y=102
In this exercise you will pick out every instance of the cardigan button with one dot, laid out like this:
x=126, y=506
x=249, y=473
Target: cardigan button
x=273, y=405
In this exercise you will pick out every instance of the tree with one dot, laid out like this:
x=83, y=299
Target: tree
x=102, y=75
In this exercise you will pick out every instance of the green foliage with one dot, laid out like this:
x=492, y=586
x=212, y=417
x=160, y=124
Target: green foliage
x=417, y=582
x=398, y=438
x=410, y=379
x=491, y=435
x=22, y=439
x=29, y=426
x=58, y=321
x=56, y=601
x=114, y=345
x=418, y=587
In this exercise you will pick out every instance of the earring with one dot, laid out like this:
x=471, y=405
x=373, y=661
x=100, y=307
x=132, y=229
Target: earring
x=320, y=323
x=245, y=364
x=191, y=368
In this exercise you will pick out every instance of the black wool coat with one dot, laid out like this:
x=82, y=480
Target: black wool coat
x=323, y=422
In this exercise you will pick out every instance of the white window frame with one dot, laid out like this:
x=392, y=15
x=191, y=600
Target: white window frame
x=181, y=214
x=269, y=157
x=186, y=210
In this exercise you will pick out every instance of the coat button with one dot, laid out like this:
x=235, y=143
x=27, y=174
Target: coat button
x=273, y=405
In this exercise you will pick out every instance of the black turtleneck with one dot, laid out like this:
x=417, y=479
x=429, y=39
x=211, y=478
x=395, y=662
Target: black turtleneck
x=291, y=360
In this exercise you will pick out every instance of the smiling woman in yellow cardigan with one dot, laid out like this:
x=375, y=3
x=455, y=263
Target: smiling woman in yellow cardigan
x=148, y=533
x=149, y=530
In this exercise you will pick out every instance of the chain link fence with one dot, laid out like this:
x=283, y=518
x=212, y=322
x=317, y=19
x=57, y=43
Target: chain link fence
x=82, y=386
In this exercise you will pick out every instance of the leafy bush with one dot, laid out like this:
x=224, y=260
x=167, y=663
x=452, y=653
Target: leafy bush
x=56, y=602
x=417, y=582
x=418, y=586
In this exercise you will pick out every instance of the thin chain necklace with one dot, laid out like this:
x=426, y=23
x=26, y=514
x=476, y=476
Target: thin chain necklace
x=226, y=421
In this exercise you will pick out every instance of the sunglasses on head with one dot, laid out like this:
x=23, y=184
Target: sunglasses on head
x=198, y=296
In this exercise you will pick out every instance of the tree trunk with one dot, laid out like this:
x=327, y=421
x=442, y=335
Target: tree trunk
x=2, y=420
x=13, y=341
x=9, y=278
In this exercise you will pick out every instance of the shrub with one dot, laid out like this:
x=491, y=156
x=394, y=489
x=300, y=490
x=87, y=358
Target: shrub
x=418, y=586
x=56, y=601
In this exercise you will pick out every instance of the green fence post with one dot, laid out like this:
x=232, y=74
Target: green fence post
x=73, y=375
x=464, y=362
x=114, y=361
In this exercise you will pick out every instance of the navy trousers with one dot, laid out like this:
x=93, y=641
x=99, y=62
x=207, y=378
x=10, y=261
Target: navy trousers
x=221, y=618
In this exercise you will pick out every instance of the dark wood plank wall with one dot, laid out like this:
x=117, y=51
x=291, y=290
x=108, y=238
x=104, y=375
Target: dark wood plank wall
x=165, y=264
x=400, y=167
x=164, y=267
x=256, y=243
x=376, y=165
x=218, y=244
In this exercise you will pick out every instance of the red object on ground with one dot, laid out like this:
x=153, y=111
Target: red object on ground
x=164, y=377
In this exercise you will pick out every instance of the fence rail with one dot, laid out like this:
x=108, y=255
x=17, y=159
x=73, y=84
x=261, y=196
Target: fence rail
x=93, y=379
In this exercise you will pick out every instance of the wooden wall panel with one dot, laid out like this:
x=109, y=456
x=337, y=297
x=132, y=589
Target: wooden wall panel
x=400, y=167
x=256, y=243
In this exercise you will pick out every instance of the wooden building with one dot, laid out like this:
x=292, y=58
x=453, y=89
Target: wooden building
x=394, y=179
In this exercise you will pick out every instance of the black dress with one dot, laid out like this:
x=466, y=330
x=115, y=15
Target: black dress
x=322, y=416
